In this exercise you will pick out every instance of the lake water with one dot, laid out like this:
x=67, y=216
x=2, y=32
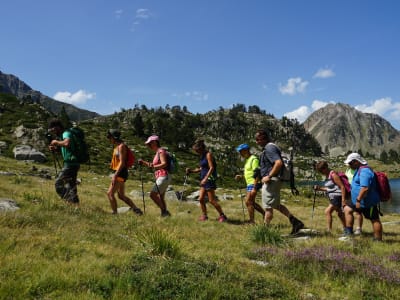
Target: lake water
x=386, y=207
x=394, y=205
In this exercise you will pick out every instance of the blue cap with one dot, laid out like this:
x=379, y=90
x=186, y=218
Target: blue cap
x=242, y=147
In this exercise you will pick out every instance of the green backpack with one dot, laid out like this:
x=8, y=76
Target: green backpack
x=79, y=149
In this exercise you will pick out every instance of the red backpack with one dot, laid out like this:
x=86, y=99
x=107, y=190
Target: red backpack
x=130, y=160
x=345, y=180
x=382, y=184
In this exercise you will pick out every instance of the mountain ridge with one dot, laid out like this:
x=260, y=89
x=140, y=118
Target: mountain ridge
x=11, y=84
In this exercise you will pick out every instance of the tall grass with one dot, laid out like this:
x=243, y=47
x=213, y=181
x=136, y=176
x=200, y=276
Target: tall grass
x=50, y=250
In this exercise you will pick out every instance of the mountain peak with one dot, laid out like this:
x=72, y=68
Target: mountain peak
x=340, y=128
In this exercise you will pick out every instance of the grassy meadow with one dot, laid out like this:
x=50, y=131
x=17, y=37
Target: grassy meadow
x=50, y=250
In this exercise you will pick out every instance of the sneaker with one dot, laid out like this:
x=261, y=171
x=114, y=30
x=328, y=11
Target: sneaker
x=165, y=213
x=222, y=218
x=296, y=226
x=138, y=211
x=358, y=231
x=203, y=218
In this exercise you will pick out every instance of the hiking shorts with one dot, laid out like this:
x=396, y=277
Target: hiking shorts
x=271, y=194
x=161, y=184
x=370, y=213
x=210, y=185
x=250, y=187
x=123, y=175
x=336, y=201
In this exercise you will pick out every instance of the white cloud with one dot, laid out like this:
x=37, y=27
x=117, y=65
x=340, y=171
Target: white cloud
x=302, y=113
x=379, y=106
x=118, y=13
x=192, y=95
x=79, y=97
x=141, y=14
x=317, y=104
x=293, y=86
x=324, y=73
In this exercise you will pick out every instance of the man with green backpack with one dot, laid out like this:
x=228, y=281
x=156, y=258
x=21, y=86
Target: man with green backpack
x=65, y=183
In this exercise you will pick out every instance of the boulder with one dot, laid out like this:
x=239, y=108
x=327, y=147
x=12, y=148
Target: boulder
x=8, y=205
x=26, y=152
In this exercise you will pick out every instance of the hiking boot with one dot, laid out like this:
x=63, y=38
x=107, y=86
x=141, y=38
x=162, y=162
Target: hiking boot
x=138, y=211
x=203, y=218
x=222, y=218
x=347, y=235
x=296, y=225
x=165, y=213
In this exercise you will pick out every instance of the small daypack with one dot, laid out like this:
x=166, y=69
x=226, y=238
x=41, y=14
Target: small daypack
x=79, y=147
x=172, y=162
x=286, y=174
x=130, y=160
x=382, y=184
x=345, y=180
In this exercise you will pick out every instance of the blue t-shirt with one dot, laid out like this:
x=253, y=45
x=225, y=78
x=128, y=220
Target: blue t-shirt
x=364, y=177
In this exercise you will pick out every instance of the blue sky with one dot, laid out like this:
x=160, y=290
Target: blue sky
x=288, y=57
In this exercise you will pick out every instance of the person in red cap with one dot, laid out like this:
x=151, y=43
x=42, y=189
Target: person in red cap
x=163, y=178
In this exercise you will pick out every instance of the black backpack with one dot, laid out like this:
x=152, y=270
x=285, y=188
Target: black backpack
x=79, y=146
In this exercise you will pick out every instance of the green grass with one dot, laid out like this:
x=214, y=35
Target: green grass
x=50, y=250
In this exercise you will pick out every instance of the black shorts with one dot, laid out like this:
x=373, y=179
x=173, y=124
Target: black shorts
x=370, y=213
x=123, y=174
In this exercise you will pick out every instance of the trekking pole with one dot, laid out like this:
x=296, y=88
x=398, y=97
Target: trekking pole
x=141, y=180
x=241, y=197
x=54, y=161
x=313, y=206
x=183, y=191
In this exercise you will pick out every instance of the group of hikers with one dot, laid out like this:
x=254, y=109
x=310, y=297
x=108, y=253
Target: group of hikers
x=260, y=173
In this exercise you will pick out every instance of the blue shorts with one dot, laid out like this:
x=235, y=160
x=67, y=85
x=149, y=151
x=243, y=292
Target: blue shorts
x=251, y=186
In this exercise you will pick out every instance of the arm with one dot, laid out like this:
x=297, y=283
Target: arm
x=274, y=172
x=195, y=170
x=64, y=143
x=211, y=168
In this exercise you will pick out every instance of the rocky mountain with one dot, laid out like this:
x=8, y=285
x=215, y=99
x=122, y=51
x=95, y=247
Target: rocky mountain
x=340, y=128
x=10, y=84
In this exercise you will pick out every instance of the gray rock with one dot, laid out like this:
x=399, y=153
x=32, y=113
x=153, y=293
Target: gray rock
x=26, y=152
x=8, y=205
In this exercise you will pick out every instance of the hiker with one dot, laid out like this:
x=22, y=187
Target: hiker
x=270, y=167
x=364, y=196
x=336, y=192
x=119, y=166
x=208, y=175
x=162, y=177
x=358, y=218
x=66, y=180
x=251, y=164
